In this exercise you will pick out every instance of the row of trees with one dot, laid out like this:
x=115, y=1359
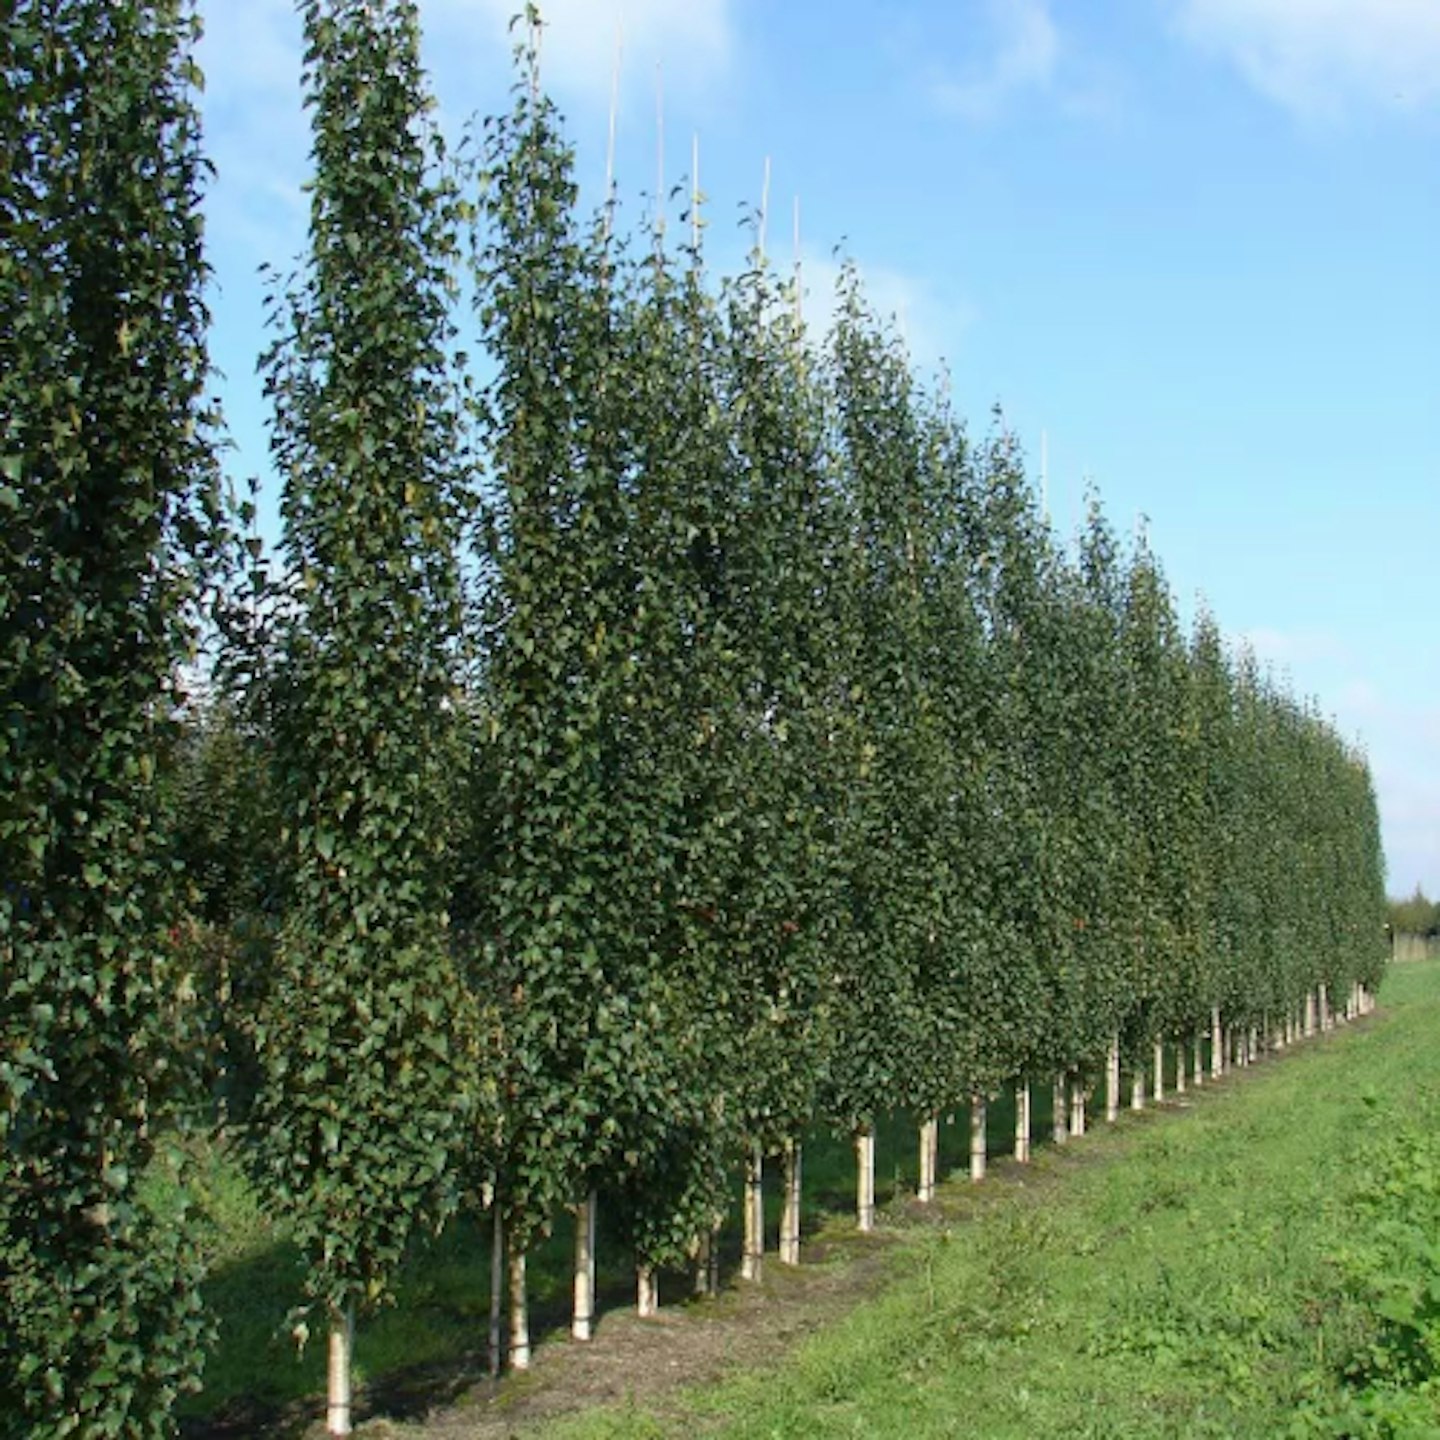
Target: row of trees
x=670, y=735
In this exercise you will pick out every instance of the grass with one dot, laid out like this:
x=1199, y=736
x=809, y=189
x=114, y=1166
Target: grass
x=1179, y=1274
x=1184, y=1276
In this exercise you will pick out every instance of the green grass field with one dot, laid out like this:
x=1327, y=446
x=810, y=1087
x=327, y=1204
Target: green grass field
x=1209, y=1269
x=1214, y=1272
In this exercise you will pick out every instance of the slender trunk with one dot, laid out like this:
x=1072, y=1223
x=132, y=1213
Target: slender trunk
x=1137, y=1087
x=1159, y=1091
x=1059, y=1120
x=790, y=1212
x=1309, y=1013
x=752, y=1256
x=865, y=1181
x=1255, y=1034
x=1217, y=1045
x=582, y=1320
x=1112, y=1081
x=1077, y=1106
x=519, y=1313
x=1326, y=1023
x=700, y=1279
x=977, y=1138
x=497, y=1286
x=1180, y=1066
x=1022, y=1121
x=929, y=1159
x=337, y=1386
x=647, y=1292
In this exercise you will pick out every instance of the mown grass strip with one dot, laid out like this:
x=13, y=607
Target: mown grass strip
x=1183, y=1278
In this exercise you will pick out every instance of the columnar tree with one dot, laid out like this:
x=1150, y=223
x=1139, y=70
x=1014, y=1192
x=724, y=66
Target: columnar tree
x=107, y=522
x=362, y=1101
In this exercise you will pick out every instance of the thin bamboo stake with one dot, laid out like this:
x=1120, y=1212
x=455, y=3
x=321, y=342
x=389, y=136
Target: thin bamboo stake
x=338, y=1369
x=1059, y=1120
x=752, y=1256
x=610, y=140
x=695, y=192
x=659, y=153
x=582, y=1320
x=519, y=1313
x=497, y=1287
x=978, y=1155
x=1112, y=1080
x=865, y=1181
x=1022, y=1121
x=790, y=1212
x=647, y=1292
x=1077, y=1106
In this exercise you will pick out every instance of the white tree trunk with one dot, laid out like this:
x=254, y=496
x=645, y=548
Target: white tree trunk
x=1180, y=1066
x=1199, y=1072
x=929, y=1159
x=790, y=1212
x=497, y=1288
x=1309, y=1013
x=1326, y=1023
x=752, y=1255
x=1217, y=1045
x=519, y=1313
x=978, y=1154
x=582, y=1319
x=1112, y=1080
x=1077, y=1106
x=1137, y=1087
x=338, y=1370
x=1022, y=1121
x=1159, y=1079
x=647, y=1292
x=865, y=1181
x=1059, y=1116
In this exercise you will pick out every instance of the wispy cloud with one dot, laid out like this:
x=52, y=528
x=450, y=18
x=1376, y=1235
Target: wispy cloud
x=1025, y=57
x=692, y=41
x=1323, y=59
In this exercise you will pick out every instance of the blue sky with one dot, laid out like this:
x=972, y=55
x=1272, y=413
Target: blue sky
x=1195, y=244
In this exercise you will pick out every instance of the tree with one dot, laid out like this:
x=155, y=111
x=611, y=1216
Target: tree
x=364, y=1099
x=109, y=527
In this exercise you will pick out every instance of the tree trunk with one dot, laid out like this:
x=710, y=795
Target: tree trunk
x=752, y=1256
x=1199, y=1075
x=1022, y=1121
x=1217, y=1045
x=337, y=1386
x=865, y=1181
x=1112, y=1081
x=647, y=1292
x=790, y=1212
x=1077, y=1106
x=519, y=1313
x=1180, y=1066
x=1309, y=1013
x=1325, y=1021
x=1137, y=1087
x=497, y=1287
x=582, y=1320
x=1059, y=1120
x=929, y=1159
x=978, y=1154
x=1159, y=1090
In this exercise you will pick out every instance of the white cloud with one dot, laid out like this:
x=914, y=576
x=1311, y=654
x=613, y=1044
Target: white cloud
x=1026, y=56
x=1323, y=58
x=1292, y=647
x=691, y=39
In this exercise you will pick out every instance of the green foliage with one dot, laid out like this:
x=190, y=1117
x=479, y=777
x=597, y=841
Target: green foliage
x=108, y=499
x=1417, y=915
x=364, y=1099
